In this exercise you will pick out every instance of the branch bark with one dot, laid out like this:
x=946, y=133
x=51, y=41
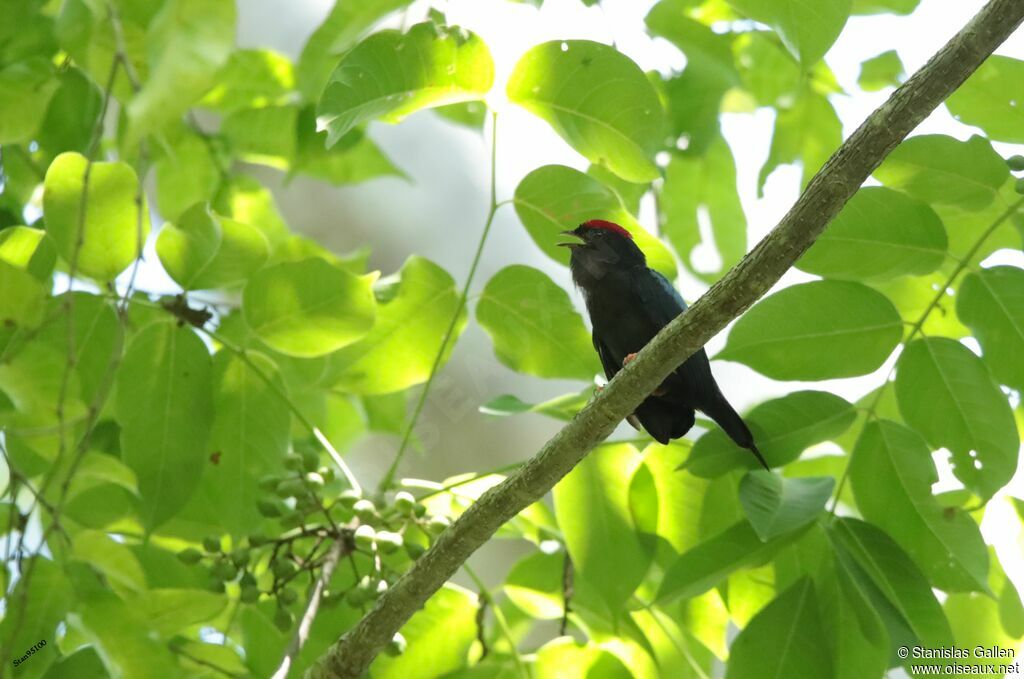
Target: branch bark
x=826, y=194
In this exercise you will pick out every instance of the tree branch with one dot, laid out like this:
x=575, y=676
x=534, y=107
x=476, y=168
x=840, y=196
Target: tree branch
x=828, y=191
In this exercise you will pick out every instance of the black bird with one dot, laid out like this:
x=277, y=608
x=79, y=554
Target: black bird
x=628, y=304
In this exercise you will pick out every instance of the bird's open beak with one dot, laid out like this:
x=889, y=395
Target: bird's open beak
x=572, y=244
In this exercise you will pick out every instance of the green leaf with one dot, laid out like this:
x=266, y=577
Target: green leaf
x=592, y=508
x=25, y=92
x=92, y=326
x=308, y=308
x=596, y=99
x=807, y=29
x=767, y=70
x=534, y=584
x=695, y=96
x=164, y=409
x=110, y=229
x=204, y=250
x=71, y=116
x=704, y=187
x=45, y=599
x=534, y=327
x=562, y=407
x=390, y=75
x=816, y=331
x=112, y=559
x=250, y=431
x=245, y=200
x=947, y=394
x=439, y=636
x=711, y=561
x=23, y=299
x=892, y=473
x=784, y=640
x=991, y=302
x=400, y=349
x=879, y=72
x=993, y=99
x=808, y=132
x=188, y=41
x=945, y=171
x=123, y=638
x=775, y=505
x=251, y=78
x=555, y=198
x=884, y=6
x=265, y=135
x=782, y=427
x=679, y=496
x=879, y=234
x=471, y=114
x=566, y=657
x=355, y=159
x=29, y=250
x=869, y=550
x=339, y=31
x=629, y=194
x=185, y=175
x=172, y=611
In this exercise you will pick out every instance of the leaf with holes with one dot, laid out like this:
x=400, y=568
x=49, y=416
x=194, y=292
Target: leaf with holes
x=991, y=303
x=946, y=393
x=891, y=472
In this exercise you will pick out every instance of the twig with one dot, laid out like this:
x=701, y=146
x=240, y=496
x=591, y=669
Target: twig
x=743, y=285
x=335, y=554
x=567, y=592
x=389, y=476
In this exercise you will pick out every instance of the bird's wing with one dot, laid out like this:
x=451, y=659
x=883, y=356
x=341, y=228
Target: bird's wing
x=658, y=297
x=607, y=360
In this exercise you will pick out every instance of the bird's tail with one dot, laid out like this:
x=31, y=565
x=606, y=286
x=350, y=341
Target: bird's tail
x=732, y=424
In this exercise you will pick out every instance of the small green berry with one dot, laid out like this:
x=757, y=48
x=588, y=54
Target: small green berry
x=348, y=498
x=269, y=483
x=1016, y=163
x=414, y=549
x=310, y=460
x=437, y=524
x=249, y=594
x=327, y=473
x=282, y=569
x=365, y=510
x=293, y=462
x=215, y=585
x=225, y=570
x=364, y=536
x=291, y=488
x=269, y=508
x=355, y=597
x=293, y=519
x=388, y=542
x=247, y=579
x=396, y=646
x=190, y=556
x=241, y=557
x=211, y=544
x=283, y=620
x=257, y=540
x=313, y=479
x=419, y=511
x=405, y=502
x=287, y=596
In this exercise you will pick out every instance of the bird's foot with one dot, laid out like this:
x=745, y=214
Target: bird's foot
x=628, y=359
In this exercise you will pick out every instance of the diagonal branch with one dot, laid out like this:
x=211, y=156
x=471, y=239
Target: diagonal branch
x=834, y=184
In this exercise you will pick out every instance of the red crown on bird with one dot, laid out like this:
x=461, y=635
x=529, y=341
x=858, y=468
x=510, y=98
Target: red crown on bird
x=608, y=226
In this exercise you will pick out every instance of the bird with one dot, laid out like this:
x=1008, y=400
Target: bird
x=628, y=303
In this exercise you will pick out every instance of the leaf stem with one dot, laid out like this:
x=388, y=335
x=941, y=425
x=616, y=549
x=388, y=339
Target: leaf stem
x=389, y=477
x=499, y=617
